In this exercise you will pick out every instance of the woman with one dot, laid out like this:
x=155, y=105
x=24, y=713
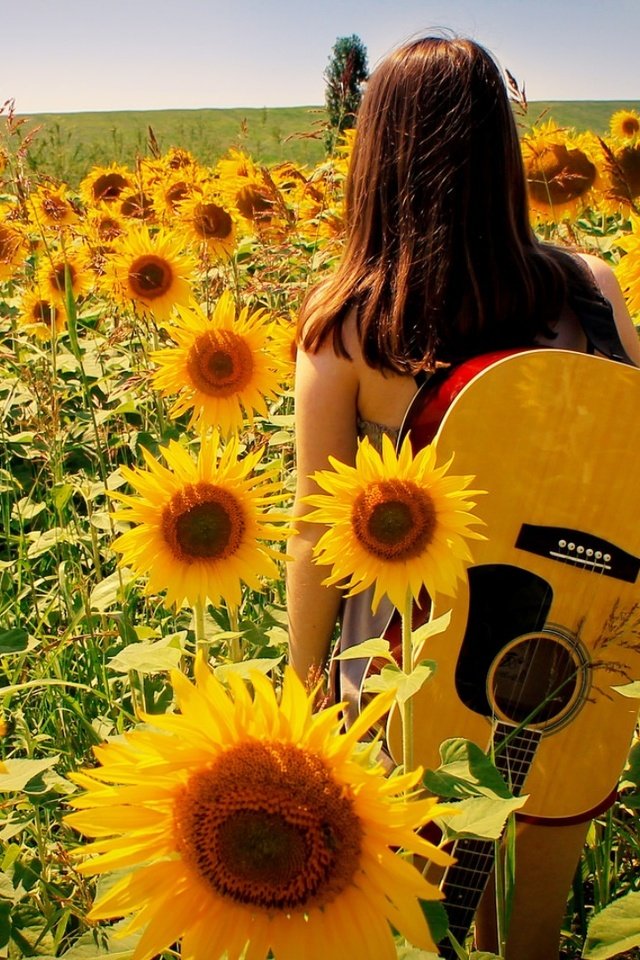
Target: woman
x=440, y=264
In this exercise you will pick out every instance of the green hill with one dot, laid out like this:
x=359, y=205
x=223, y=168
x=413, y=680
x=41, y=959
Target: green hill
x=582, y=114
x=67, y=145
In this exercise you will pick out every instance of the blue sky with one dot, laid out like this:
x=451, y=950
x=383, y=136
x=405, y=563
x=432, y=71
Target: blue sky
x=66, y=55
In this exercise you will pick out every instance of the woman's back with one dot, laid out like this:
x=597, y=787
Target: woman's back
x=440, y=264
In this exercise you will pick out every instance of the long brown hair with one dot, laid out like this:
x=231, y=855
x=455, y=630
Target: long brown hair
x=440, y=259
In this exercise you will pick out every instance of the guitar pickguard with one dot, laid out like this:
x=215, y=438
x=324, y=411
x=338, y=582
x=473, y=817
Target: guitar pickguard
x=504, y=602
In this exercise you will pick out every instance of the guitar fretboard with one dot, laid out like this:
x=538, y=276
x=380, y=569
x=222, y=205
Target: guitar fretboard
x=465, y=881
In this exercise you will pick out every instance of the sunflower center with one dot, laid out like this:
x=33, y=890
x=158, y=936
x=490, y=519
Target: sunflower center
x=268, y=825
x=203, y=522
x=559, y=175
x=150, y=277
x=54, y=208
x=630, y=126
x=626, y=176
x=108, y=229
x=394, y=519
x=180, y=158
x=137, y=206
x=42, y=312
x=220, y=363
x=58, y=276
x=176, y=193
x=254, y=202
x=262, y=845
x=211, y=222
x=109, y=186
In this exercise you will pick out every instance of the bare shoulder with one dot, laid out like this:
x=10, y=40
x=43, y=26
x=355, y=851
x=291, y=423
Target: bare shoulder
x=608, y=283
x=602, y=272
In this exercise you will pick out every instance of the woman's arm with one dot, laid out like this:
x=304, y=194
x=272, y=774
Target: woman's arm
x=326, y=397
x=608, y=283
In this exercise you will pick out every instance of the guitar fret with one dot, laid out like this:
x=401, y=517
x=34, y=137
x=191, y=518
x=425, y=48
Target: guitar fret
x=514, y=753
x=465, y=881
x=473, y=871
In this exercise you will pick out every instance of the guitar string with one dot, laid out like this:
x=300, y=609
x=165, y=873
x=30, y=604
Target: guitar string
x=479, y=863
x=518, y=759
x=516, y=768
x=515, y=764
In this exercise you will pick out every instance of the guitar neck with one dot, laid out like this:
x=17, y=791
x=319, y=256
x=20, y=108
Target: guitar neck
x=465, y=881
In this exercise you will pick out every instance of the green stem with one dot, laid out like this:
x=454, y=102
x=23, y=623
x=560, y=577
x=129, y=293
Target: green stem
x=407, y=666
x=235, y=648
x=198, y=619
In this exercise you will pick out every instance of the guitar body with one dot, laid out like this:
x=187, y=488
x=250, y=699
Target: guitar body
x=548, y=619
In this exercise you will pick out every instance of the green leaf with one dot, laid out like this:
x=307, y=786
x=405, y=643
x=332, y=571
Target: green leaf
x=405, y=685
x=109, y=590
x=406, y=952
x=631, y=773
x=158, y=657
x=5, y=922
x=465, y=771
x=13, y=641
x=280, y=437
x=25, y=509
x=430, y=629
x=20, y=772
x=61, y=494
x=245, y=668
x=436, y=917
x=118, y=947
x=47, y=540
x=480, y=816
x=615, y=929
x=375, y=647
x=631, y=690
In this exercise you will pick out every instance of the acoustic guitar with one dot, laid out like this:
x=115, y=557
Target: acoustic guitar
x=547, y=623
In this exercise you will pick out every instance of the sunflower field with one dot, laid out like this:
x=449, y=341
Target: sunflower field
x=147, y=337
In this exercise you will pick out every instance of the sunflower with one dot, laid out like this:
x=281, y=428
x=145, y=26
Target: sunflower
x=344, y=151
x=50, y=206
x=243, y=187
x=152, y=272
x=13, y=250
x=245, y=824
x=105, y=184
x=177, y=158
x=136, y=205
x=623, y=169
x=625, y=124
x=103, y=226
x=561, y=171
x=628, y=270
x=52, y=273
x=395, y=520
x=198, y=525
x=208, y=223
x=221, y=366
x=171, y=188
x=40, y=316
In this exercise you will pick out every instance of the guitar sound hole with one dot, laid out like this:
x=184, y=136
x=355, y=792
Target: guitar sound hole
x=534, y=680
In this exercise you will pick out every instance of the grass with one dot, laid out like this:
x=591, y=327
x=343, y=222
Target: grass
x=68, y=145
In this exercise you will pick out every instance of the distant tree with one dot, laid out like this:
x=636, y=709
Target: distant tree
x=345, y=77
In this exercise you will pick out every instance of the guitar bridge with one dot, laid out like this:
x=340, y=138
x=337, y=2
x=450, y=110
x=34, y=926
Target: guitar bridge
x=579, y=549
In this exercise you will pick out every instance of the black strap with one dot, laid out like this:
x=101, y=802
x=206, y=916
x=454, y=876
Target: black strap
x=595, y=313
x=421, y=377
